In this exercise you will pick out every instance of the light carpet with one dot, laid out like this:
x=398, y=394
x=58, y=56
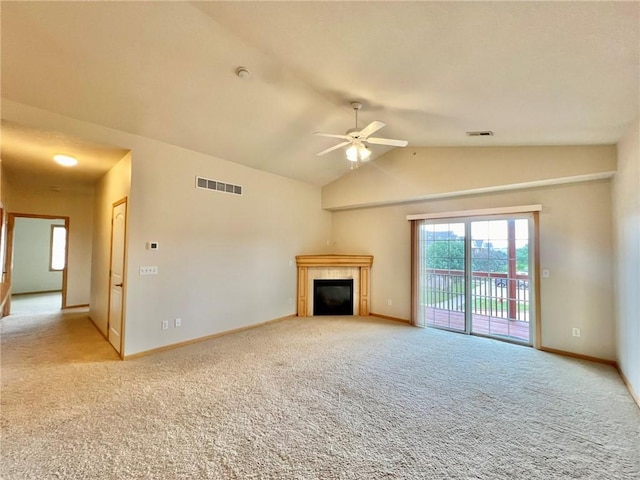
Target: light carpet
x=315, y=398
x=36, y=303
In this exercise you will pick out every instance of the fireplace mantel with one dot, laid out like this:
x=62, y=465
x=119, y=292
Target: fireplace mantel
x=360, y=263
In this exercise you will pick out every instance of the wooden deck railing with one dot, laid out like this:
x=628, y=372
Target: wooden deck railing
x=493, y=294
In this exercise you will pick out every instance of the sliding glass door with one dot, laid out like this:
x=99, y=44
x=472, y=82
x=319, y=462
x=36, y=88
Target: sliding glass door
x=475, y=276
x=442, y=267
x=500, y=278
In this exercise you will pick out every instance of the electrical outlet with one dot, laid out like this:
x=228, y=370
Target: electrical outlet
x=149, y=270
x=165, y=324
x=177, y=322
x=290, y=300
x=389, y=302
x=576, y=332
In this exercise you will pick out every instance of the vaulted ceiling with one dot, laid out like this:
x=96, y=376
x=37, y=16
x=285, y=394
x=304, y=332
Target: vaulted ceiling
x=535, y=73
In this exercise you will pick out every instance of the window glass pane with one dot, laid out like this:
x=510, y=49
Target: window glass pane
x=498, y=230
x=498, y=250
x=522, y=229
x=456, y=230
x=58, y=247
x=480, y=231
x=456, y=249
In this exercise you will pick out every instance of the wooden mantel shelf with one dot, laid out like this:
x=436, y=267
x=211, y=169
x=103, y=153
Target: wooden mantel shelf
x=334, y=260
x=361, y=262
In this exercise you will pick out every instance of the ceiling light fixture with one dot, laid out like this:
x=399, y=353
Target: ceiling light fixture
x=357, y=152
x=65, y=160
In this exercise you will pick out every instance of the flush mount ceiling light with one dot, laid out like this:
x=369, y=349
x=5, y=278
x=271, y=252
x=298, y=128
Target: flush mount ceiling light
x=65, y=160
x=358, y=152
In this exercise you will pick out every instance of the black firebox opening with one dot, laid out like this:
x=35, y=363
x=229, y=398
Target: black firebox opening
x=333, y=297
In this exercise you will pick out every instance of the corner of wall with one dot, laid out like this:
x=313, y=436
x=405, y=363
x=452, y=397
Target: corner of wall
x=626, y=228
x=113, y=186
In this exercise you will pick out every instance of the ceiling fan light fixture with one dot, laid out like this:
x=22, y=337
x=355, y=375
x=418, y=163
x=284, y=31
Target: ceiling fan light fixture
x=358, y=152
x=65, y=160
x=352, y=153
x=364, y=153
x=356, y=140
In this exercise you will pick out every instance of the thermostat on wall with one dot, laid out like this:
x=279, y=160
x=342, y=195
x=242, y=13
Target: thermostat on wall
x=152, y=245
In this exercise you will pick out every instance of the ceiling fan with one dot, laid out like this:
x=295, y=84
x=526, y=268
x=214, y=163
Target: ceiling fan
x=357, y=139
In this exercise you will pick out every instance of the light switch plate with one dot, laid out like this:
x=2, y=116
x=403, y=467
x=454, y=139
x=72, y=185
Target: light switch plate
x=149, y=270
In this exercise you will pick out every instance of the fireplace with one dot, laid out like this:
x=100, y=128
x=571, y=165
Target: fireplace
x=355, y=269
x=333, y=297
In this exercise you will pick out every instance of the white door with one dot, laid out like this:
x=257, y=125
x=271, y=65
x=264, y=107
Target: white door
x=116, y=280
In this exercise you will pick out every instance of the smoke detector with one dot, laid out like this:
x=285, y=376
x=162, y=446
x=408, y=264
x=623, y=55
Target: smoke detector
x=243, y=73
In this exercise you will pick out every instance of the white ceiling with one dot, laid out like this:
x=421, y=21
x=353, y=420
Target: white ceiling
x=536, y=73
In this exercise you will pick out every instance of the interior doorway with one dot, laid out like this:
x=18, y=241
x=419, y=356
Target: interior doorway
x=476, y=276
x=36, y=263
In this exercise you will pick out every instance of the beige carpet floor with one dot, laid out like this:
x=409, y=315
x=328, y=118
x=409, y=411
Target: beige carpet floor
x=321, y=398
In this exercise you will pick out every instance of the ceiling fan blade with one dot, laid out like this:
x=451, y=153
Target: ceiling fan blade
x=387, y=141
x=371, y=128
x=331, y=149
x=332, y=135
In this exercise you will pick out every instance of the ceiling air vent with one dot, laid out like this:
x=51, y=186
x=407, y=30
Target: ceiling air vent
x=480, y=133
x=208, y=184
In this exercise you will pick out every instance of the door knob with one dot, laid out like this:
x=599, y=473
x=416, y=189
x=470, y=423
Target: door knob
x=118, y=285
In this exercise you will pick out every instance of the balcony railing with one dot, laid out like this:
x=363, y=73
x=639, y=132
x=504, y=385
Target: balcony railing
x=492, y=294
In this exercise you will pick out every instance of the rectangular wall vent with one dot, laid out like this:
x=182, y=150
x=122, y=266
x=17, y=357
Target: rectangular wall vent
x=208, y=184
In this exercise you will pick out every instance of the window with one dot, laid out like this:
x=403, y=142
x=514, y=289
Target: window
x=58, y=247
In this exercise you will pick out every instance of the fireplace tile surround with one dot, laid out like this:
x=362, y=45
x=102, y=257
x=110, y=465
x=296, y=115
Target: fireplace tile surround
x=312, y=267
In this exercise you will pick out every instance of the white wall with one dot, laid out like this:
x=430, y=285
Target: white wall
x=31, y=256
x=225, y=261
x=77, y=205
x=626, y=200
x=575, y=245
